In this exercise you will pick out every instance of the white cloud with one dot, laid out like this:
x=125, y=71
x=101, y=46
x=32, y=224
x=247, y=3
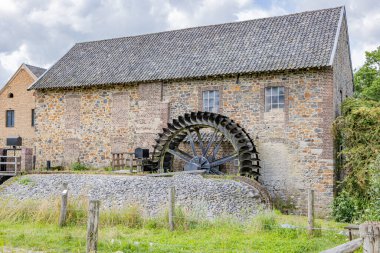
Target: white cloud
x=259, y=13
x=62, y=13
x=13, y=60
x=178, y=19
x=9, y=7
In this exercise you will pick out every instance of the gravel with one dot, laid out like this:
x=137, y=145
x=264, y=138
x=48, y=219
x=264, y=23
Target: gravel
x=201, y=196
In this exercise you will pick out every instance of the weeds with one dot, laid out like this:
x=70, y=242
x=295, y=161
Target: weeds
x=77, y=166
x=25, y=181
x=265, y=221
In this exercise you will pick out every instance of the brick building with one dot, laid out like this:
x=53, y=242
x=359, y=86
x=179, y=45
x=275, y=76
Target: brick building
x=17, y=105
x=281, y=78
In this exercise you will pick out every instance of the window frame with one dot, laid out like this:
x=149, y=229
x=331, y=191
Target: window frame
x=275, y=99
x=216, y=98
x=10, y=122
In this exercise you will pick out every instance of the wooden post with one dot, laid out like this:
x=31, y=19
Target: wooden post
x=171, y=207
x=92, y=226
x=131, y=163
x=139, y=165
x=64, y=195
x=310, y=211
x=371, y=234
x=122, y=161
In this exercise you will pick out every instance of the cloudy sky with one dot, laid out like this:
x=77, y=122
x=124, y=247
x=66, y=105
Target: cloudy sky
x=39, y=32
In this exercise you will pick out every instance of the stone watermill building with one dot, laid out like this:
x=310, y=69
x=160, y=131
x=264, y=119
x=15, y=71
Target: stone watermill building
x=282, y=79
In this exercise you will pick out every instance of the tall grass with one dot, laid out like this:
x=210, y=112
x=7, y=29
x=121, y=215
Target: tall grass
x=41, y=211
x=48, y=211
x=265, y=221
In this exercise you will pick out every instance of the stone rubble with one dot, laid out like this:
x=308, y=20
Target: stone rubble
x=201, y=196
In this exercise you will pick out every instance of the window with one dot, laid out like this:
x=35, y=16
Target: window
x=10, y=95
x=211, y=101
x=274, y=98
x=33, y=116
x=10, y=118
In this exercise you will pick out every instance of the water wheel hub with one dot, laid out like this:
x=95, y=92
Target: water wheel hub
x=198, y=163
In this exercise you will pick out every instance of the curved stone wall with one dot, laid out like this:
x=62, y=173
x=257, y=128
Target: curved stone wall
x=208, y=197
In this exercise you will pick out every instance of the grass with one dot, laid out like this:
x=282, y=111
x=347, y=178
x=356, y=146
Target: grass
x=25, y=181
x=33, y=225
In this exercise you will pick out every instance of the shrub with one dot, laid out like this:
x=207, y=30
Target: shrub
x=108, y=169
x=345, y=207
x=358, y=130
x=77, y=166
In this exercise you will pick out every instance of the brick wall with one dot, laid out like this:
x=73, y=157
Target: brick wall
x=295, y=144
x=22, y=103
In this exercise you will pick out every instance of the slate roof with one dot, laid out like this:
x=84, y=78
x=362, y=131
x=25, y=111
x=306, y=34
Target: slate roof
x=287, y=42
x=37, y=71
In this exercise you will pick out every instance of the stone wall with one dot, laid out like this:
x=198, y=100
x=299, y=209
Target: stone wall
x=87, y=125
x=22, y=103
x=204, y=197
x=343, y=74
x=295, y=144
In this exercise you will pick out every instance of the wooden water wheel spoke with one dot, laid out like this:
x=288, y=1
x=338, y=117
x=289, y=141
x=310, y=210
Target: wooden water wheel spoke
x=191, y=142
x=199, y=139
x=181, y=155
x=223, y=160
x=216, y=149
x=210, y=142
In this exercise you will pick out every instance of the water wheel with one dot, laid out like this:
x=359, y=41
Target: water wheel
x=203, y=153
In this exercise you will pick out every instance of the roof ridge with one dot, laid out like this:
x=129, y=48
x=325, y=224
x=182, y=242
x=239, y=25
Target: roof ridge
x=29, y=65
x=212, y=25
x=288, y=42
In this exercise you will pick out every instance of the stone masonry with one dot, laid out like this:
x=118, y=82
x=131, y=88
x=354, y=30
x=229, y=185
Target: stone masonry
x=295, y=144
x=121, y=100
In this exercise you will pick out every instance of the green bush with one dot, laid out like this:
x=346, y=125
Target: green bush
x=345, y=207
x=108, y=169
x=77, y=166
x=358, y=130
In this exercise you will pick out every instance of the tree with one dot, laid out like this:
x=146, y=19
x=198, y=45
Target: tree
x=367, y=78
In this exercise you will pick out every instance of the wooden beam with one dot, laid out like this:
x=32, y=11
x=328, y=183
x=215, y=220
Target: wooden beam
x=348, y=247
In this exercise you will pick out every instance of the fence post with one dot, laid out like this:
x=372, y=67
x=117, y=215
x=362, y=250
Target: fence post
x=92, y=226
x=171, y=207
x=371, y=234
x=131, y=163
x=310, y=211
x=15, y=164
x=64, y=195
